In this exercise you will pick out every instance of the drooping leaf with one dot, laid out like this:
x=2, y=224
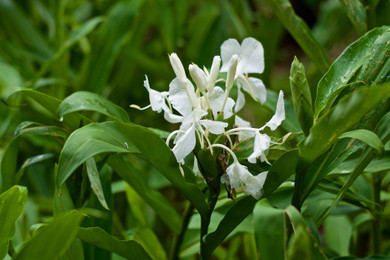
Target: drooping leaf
x=129, y=249
x=365, y=136
x=341, y=118
x=12, y=204
x=300, y=31
x=82, y=100
x=368, y=54
x=53, y=240
x=116, y=137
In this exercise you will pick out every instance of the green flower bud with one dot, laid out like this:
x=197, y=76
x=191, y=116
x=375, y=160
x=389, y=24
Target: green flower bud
x=301, y=96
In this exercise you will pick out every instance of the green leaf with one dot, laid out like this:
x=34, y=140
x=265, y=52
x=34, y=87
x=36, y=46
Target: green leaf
x=376, y=165
x=21, y=30
x=338, y=233
x=339, y=119
x=365, y=136
x=82, y=100
x=363, y=54
x=111, y=37
x=53, y=240
x=356, y=13
x=31, y=161
x=94, y=179
x=116, y=137
x=149, y=241
x=12, y=204
x=49, y=103
x=281, y=169
x=91, y=140
x=300, y=31
x=153, y=198
x=302, y=245
x=236, y=214
x=269, y=224
x=129, y=249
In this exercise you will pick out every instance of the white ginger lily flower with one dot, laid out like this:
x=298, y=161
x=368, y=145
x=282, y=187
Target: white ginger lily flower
x=262, y=141
x=191, y=126
x=238, y=175
x=251, y=60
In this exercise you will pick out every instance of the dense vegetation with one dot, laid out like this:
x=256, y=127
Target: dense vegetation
x=84, y=175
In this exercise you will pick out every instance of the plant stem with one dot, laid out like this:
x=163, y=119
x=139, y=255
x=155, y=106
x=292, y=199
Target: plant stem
x=376, y=213
x=297, y=199
x=188, y=212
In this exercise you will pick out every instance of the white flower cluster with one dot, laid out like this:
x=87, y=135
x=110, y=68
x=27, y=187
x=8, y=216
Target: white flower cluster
x=188, y=105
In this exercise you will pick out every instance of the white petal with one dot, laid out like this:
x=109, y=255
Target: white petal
x=195, y=169
x=240, y=99
x=255, y=87
x=172, y=118
x=185, y=144
x=261, y=144
x=178, y=95
x=228, y=49
x=252, y=57
x=254, y=184
x=216, y=99
x=156, y=98
x=215, y=127
x=279, y=116
x=228, y=110
x=234, y=172
x=243, y=123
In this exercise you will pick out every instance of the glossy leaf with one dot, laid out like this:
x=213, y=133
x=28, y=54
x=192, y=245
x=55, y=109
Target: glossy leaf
x=12, y=204
x=129, y=249
x=359, y=54
x=116, y=137
x=300, y=31
x=341, y=118
x=152, y=197
x=365, y=136
x=356, y=13
x=53, y=240
x=82, y=100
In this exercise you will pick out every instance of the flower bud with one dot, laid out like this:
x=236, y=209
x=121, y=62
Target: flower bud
x=213, y=73
x=198, y=76
x=301, y=96
x=231, y=72
x=177, y=66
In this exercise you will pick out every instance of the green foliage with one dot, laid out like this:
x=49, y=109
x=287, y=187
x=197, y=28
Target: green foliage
x=102, y=186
